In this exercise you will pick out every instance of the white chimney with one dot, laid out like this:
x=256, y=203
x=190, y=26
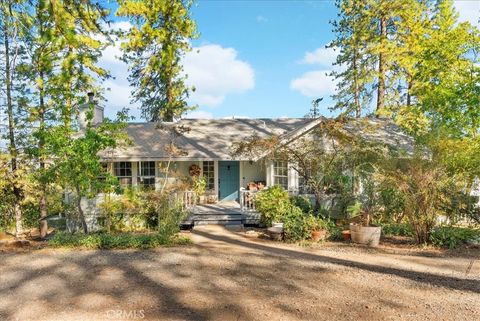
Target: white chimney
x=85, y=108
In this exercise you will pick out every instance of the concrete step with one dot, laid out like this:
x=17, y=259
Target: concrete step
x=218, y=217
x=218, y=222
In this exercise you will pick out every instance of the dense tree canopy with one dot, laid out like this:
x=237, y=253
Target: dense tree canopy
x=159, y=37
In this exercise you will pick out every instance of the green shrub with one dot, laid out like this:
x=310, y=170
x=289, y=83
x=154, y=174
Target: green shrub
x=114, y=241
x=162, y=213
x=397, y=229
x=295, y=224
x=303, y=203
x=452, y=237
x=271, y=203
x=334, y=231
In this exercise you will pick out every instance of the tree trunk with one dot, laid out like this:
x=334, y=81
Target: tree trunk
x=381, y=69
x=43, y=213
x=80, y=211
x=41, y=144
x=11, y=130
x=356, y=89
x=409, y=97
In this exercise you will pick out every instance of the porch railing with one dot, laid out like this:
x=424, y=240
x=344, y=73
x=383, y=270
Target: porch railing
x=188, y=199
x=247, y=200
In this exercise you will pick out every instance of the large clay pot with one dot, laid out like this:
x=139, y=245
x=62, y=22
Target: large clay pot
x=369, y=235
x=346, y=235
x=318, y=235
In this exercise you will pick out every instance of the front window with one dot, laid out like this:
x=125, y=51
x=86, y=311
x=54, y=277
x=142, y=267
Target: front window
x=303, y=180
x=146, y=177
x=123, y=171
x=280, y=174
x=209, y=174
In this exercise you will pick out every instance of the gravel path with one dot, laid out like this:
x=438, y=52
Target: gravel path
x=229, y=276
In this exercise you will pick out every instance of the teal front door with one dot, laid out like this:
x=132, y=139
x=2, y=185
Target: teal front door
x=228, y=180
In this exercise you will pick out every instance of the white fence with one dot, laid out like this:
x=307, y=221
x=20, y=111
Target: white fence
x=247, y=200
x=188, y=199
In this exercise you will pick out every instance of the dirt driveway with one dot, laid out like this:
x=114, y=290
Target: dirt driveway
x=227, y=276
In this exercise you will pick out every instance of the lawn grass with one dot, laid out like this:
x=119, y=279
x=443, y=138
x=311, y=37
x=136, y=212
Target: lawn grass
x=116, y=241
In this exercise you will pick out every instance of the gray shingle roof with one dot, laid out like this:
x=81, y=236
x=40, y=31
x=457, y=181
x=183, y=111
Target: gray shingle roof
x=212, y=139
x=381, y=130
x=209, y=139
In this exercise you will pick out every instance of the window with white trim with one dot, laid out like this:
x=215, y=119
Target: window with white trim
x=303, y=180
x=123, y=171
x=209, y=174
x=280, y=174
x=146, y=174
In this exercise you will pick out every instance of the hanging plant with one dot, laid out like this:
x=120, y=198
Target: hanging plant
x=194, y=170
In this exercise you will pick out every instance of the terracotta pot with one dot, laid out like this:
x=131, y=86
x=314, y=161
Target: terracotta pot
x=318, y=235
x=346, y=235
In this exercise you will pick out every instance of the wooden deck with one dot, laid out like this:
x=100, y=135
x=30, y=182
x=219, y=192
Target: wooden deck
x=224, y=213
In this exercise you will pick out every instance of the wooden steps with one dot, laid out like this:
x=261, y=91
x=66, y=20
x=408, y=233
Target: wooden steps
x=221, y=214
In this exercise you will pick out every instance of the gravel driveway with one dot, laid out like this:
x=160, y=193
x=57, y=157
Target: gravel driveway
x=228, y=276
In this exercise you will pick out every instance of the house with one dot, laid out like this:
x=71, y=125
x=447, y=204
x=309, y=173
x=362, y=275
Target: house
x=162, y=153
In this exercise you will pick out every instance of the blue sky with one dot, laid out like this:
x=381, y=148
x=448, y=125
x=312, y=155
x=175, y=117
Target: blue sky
x=255, y=58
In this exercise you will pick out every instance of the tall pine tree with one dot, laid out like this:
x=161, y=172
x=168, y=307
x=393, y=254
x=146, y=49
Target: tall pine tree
x=153, y=49
x=64, y=47
x=356, y=63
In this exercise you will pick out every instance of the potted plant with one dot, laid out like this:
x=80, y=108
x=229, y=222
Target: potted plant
x=362, y=232
x=200, y=186
x=317, y=227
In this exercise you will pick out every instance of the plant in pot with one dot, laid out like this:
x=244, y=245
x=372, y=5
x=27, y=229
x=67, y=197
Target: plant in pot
x=317, y=227
x=200, y=187
x=362, y=231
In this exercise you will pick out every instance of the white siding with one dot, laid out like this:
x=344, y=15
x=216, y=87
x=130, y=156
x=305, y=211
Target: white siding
x=251, y=172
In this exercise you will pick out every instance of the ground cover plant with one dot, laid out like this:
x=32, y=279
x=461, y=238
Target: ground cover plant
x=115, y=241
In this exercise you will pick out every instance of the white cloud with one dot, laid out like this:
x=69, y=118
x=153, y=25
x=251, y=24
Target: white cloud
x=317, y=83
x=118, y=96
x=215, y=72
x=200, y=114
x=322, y=56
x=121, y=25
x=314, y=83
x=261, y=19
x=468, y=10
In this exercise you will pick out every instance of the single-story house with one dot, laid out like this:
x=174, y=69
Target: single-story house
x=205, y=145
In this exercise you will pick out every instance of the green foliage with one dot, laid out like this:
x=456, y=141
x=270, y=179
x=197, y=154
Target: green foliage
x=396, y=229
x=199, y=185
x=334, y=231
x=355, y=209
x=77, y=163
x=272, y=203
x=153, y=48
x=295, y=224
x=452, y=237
x=353, y=31
x=303, y=203
x=139, y=210
x=161, y=209
x=115, y=241
x=391, y=204
x=422, y=184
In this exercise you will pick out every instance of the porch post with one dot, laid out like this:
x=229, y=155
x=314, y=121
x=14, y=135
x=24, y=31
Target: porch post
x=292, y=179
x=215, y=176
x=134, y=173
x=269, y=173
